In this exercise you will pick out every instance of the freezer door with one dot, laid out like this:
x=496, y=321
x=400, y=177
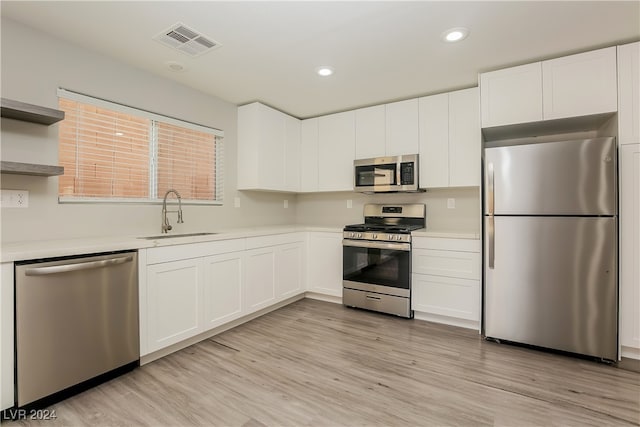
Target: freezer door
x=552, y=178
x=553, y=283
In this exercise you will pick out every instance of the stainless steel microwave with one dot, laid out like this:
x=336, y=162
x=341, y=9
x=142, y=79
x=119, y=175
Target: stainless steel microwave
x=386, y=174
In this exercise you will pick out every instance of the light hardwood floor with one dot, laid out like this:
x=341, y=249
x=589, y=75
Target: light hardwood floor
x=314, y=363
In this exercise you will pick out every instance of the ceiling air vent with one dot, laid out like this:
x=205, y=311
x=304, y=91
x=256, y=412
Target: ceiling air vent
x=186, y=40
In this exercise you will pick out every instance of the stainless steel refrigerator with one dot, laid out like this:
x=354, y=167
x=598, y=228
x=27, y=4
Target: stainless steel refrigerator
x=550, y=245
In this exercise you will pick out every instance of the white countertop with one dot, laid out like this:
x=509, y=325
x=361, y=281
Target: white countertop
x=20, y=251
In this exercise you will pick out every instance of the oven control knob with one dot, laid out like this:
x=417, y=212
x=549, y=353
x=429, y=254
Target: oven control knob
x=352, y=234
x=359, y=236
x=374, y=236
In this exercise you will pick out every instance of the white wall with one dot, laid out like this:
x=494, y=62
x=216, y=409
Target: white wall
x=331, y=208
x=33, y=66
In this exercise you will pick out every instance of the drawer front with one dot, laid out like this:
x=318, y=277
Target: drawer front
x=446, y=244
x=445, y=296
x=463, y=265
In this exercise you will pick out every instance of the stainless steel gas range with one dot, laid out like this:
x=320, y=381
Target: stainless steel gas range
x=376, y=258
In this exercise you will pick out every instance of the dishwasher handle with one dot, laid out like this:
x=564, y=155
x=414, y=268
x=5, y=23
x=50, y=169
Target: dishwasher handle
x=66, y=268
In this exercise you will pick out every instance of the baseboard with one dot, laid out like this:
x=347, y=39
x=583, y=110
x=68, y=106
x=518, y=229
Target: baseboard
x=446, y=320
x=323, y=297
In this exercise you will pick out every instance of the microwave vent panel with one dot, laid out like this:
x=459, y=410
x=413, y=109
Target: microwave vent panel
x=186, y=40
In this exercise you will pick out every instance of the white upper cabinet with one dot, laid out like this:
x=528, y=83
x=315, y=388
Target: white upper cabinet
x=309, y=155
x=571, y=86
x=434, y=141
x=401, y=128
x=268, y=149
x=579, y=85
x=629, y=93
x=370, y=132
x=336, y=151
x=512, y=95
x=464, y=138
x=450, y=139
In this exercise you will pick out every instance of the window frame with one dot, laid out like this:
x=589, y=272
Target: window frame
x=121, y=108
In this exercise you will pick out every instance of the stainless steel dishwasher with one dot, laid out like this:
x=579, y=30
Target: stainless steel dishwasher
x=76, y=319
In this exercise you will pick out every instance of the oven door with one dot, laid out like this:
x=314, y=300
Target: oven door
x=381, y=267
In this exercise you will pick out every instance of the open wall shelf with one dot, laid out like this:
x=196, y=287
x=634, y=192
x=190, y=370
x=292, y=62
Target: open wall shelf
x=30, y=113
x=17, y=168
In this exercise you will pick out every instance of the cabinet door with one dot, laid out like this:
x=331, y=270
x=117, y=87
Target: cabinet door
x=630, y=250
x=512, y=95
x=629, y=93
x=289, y=270
x=434, y=141
x=309, y=155
x=173, y=302
x=259, y=278
x=6, y=336
x=324, y=265
x=581, y=84
x=370, y=132
x=336, y=151
x=464, y=138
x=402, y=127
x=446, y=296
x=292, y=154
x=222, y=294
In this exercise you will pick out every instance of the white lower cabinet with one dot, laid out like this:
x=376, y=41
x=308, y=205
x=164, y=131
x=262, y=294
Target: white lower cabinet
x=6, y=336
x=324, y=263
x=173, y=302
x=446, y=280
x=260, y=278
x=217, y=283
x=630, y=250
x=222, y=289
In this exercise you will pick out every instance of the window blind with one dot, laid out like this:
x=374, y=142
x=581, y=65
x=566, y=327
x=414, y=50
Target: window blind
x=112, y=152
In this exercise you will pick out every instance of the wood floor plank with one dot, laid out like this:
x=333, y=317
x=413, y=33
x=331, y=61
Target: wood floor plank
x=314, y=363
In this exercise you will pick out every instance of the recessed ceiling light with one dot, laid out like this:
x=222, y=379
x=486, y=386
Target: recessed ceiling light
x=324, y=71
x=119, y=134
x=455, y=34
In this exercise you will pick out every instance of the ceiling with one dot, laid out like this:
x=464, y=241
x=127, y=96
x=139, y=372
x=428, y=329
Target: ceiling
x=381, y=51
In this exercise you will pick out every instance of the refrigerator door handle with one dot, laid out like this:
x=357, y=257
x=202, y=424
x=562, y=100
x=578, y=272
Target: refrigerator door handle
x=490, y=189
x=491, y=240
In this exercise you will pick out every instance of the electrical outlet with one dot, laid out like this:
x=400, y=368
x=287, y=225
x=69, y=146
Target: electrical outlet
x=286, y=204
x=349, y=204
x=14, y=198
x=236, y=202
x=451, y=203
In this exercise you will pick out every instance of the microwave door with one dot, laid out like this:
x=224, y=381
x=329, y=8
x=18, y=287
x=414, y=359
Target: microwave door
x=384, y=175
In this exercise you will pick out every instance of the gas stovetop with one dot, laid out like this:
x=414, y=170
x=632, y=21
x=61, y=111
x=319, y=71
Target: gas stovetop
x=387, y=223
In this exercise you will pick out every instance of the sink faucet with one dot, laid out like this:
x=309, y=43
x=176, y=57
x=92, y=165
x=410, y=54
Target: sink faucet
x=165, y=221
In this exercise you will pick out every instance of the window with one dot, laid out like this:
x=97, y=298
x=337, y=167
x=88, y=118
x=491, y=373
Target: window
x=114, y=153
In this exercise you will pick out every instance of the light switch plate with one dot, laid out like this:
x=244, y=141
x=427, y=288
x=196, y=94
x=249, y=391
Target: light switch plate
x=286, y=204
x=236, y=202
x=349, y=204
x=14, y=198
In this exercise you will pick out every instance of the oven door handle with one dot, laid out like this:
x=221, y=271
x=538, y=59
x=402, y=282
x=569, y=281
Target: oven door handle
x=377, y=245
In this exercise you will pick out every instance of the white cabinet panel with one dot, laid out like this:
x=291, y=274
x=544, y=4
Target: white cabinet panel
x=579, y=85
x=464, y=138
x=630, y=250
x=268, y=149
x=309, y=155
x=6, y=336
x=512, y=95
x=173, y=295
x=401, y=128
x=434, y=141
x=465, y=265
x=260, y=278
x=370, y=132
x=336, y=151
x=629, y=93
x=290, y=261
x=324, y=263
x=450, y=139
x=292, y=154
x=446, y=296
x=222, y=295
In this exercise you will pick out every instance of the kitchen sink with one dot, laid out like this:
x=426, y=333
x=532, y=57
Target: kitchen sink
x=169, y=236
